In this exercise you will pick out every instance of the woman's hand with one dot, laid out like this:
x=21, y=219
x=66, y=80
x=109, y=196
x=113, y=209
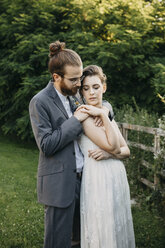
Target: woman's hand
x=91, y=110
x=97, y=119
x=99, y=154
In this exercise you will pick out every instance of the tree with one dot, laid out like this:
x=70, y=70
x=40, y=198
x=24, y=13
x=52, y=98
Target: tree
x=125, y=37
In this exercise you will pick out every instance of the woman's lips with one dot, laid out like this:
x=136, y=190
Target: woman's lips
x=92, y=98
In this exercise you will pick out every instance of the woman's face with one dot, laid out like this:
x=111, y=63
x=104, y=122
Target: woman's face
x=93, y=90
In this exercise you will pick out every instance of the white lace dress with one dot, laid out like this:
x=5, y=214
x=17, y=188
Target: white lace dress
x=106, y=219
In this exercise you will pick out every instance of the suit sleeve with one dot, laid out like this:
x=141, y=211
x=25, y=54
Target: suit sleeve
x=50, y=141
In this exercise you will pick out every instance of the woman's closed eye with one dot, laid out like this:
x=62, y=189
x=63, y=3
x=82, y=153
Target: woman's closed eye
x=85, y=88
x=95, y=87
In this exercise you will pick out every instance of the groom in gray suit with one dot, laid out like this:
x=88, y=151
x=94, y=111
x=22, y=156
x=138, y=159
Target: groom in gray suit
x=56, y=130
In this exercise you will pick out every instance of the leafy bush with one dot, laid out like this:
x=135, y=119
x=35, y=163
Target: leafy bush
x=135, y=169
x=149, y=229
x=136, y=115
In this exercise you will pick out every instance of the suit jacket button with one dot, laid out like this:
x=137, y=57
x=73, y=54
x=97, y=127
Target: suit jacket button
x=75, y=170
x=73, y=153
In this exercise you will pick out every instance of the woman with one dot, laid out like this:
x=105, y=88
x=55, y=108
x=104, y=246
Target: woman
x=106, y=220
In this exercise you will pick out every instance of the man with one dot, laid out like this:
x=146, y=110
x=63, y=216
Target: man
x=56, y=130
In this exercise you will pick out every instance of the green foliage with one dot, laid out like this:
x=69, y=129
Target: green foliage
x=149, y=228
x=125, y=37
x=158, y=81
x=136, y=115
x=135, y=169
x=159, y=163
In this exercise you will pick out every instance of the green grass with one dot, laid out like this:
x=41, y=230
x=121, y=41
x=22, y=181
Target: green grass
x=21, y=217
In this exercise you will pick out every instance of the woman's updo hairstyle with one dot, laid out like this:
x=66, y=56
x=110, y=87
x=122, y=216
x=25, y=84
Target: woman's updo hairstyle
x=94, y=70
x=60, y=57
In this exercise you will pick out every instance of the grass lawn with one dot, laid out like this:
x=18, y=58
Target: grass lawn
x=21, y=217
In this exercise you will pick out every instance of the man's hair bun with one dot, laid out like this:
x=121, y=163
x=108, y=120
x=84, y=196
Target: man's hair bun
x=55, y=48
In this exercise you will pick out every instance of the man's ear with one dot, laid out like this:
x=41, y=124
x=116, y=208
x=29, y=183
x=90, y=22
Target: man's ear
x=104, y=87
x=56, y=77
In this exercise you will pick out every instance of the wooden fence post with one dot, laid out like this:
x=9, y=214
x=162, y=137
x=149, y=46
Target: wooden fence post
x=156, y=152
x=125, y=133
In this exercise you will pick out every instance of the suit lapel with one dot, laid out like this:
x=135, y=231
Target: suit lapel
x=74, y=103
x=53, y=94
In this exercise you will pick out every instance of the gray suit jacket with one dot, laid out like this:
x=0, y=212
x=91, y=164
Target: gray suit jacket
x=54, y=133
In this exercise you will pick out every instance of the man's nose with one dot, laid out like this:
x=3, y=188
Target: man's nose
x=78, y=83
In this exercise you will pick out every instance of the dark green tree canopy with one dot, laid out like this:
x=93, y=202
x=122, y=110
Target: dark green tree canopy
x=125, y=37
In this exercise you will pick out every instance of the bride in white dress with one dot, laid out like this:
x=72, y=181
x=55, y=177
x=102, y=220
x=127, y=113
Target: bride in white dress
x=106, y=219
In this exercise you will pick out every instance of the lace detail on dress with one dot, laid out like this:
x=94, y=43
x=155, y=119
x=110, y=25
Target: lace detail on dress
x=106, y=220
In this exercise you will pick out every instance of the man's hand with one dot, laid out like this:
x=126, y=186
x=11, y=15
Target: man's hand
x=80, y=115
x=92, y=111
x=99, y=154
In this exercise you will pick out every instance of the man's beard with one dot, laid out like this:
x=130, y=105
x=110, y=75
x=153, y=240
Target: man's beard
x=67, y=91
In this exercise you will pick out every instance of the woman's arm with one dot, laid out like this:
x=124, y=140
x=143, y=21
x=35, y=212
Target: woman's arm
x=105, y=137
x=100, y=154
x=125, y=151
